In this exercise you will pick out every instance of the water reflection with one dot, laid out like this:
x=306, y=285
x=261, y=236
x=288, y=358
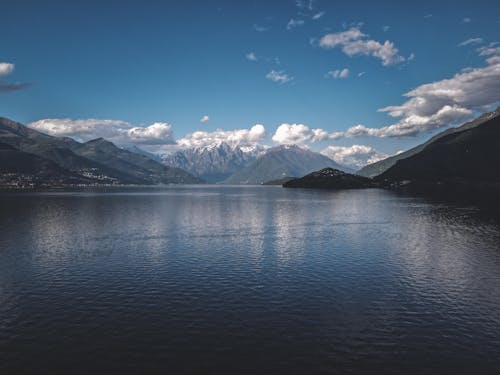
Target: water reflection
x=245, y=278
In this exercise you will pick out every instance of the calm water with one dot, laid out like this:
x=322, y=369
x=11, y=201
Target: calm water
x=232, y=280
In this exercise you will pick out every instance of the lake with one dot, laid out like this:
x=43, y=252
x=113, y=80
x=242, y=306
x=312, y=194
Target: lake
x=251, y=279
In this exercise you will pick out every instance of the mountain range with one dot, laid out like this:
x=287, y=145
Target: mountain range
x=213, y=163
x=68, y=161
x=375, y=169
x=280, y=162
x=467, y=155
x=459, y=162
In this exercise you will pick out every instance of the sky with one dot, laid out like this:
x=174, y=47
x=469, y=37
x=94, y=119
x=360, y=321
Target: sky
x=355, y=80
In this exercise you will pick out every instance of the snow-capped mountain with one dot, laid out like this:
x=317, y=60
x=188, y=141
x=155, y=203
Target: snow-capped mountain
x=215, y=162
x=282, y=161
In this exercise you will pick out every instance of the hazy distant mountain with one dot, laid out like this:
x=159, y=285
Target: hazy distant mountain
x=213, y=163
x=374, y=169
x=98, y=161
x=279, y=162
x=140, y=151
x=466, y=156
x=329, y=178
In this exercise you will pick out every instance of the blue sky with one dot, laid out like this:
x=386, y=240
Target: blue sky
x=143, y=62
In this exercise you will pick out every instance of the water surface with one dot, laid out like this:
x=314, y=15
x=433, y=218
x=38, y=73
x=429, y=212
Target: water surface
x=233, y=280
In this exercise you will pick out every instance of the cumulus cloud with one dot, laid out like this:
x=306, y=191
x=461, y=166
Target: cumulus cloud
x=344, y=73
x=471, y=41
x=117, y=131
x=299, y=134
x=278, y=76
x=243, y=137
x=354, y=43
x=205, y=118
x=438, y=104
x=6, y=68
x=294, y=23
x=251, y=56
x=355, y=156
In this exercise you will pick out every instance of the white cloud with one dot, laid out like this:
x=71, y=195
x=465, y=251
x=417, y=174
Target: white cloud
x=386, y=28
x=292, y=134
x=6, y=68
x=441, y=103
x=205, y=118
x=294, y=23
x=278, y=76
x=471, y=41
x=251, y=56
x=318, y=15
x=299, y=134
x=488, y=51
x=361, y=74
x=466, y=20
x=260, y=28
x=117, y=131
x=355, y=156
x=493, y=60
x=250, y=136
x=344, y=73
x=428, y=16
x=305, y=4
x=353, y=43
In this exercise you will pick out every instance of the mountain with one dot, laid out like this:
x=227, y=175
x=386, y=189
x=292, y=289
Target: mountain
x=140, y=166
x=329, y=178
x=462, y=158
x=18, y=168
x=374, y=169
x=140, y=151
x=98, y=161
x=279, y=162
x=213, y=163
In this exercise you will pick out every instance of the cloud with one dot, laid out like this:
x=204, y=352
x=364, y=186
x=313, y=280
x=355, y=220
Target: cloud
x=305, y=4
x=354, y=43
x=117, y=131
x=471, y=41
x=355, y=156
x=438, y=104
x=205, y=118
x=278, y=76
x=386, y=28
x=488, y=51
x=5, y=87
x=251, y=56
x=10, y=87
x=299, y=134
x=260, y=28
x=294, y=23
x=361, y=74
x=6, y=68
x=428, y=16
x=493, y=60
x=317, y=16
x=344, y=73
x=466, y=20
x=250, y=136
